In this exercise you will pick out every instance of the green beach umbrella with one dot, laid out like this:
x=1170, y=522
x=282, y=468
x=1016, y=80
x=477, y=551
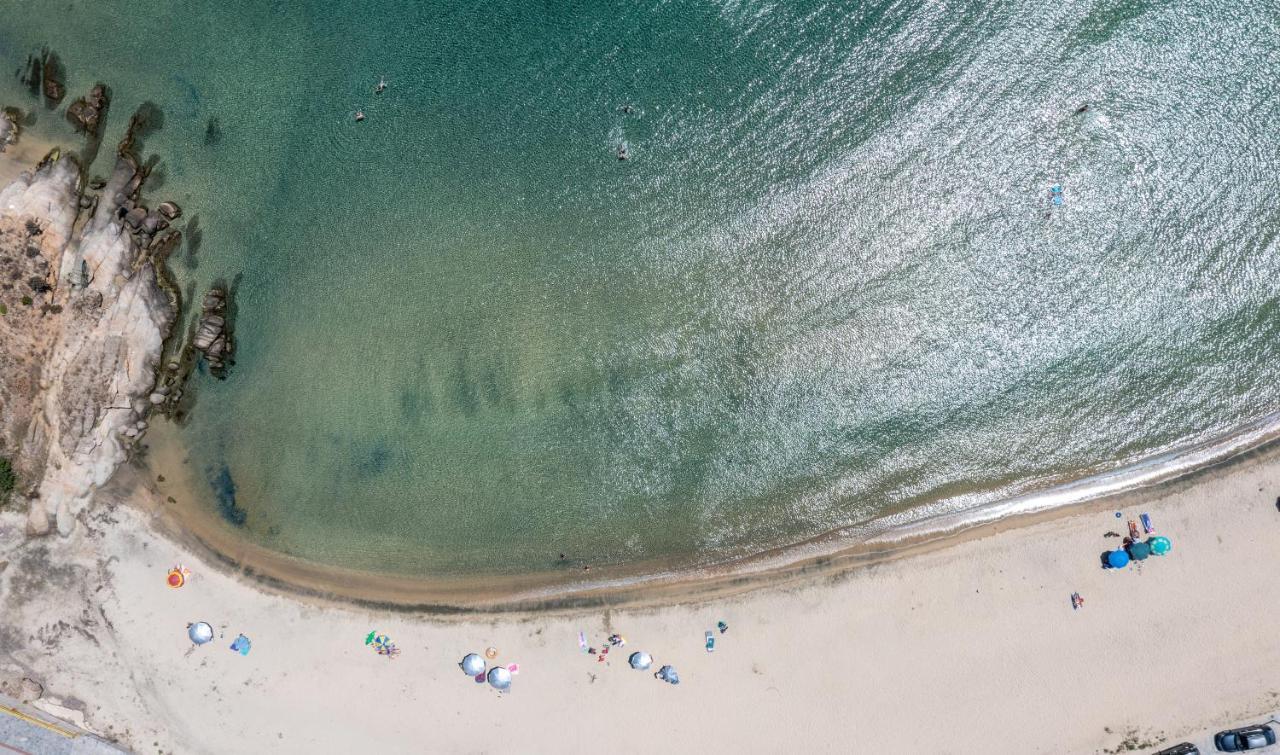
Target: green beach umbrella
x=1139, y=550
x=1160, y=545
x=369, y=639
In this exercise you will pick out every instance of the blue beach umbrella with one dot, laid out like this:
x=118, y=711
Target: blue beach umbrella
x=640, y=660
x=472, y=664
x=1160, y=545
x=1117, y=559
x=1139, y=550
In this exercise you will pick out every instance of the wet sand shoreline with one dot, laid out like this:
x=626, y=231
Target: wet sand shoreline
x=645, y=585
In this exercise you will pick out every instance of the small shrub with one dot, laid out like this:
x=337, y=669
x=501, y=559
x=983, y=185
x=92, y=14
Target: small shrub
x=4, y=310
x=26, y=300
x=8, y=480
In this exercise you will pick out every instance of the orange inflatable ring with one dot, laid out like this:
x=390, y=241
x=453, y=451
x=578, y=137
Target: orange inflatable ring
x=175, y=578
x=491, y=653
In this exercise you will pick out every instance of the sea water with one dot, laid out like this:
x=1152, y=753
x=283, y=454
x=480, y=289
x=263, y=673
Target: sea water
x=830, y=282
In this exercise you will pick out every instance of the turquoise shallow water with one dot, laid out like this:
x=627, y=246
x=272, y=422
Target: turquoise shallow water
x=829, y=283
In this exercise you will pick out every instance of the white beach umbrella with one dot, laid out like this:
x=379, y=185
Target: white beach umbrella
x=640, y=660
x=499, y=677
x=200, y=632
x=472, y=664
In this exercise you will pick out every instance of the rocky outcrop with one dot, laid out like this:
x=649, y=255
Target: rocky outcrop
x=212, y=339
x=8, y=128
x=87, y=113
x=108, y=317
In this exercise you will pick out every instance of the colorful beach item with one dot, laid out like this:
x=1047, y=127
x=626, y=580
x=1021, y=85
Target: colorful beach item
x=472, y=664
x=1160, y=545
x=1117, y=559
x=1147, y=526
x=177, y=577
x=241, y=645
x=382, y=645
x=711, y=641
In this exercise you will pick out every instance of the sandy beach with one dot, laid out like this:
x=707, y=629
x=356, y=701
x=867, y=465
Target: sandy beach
x=968, y=645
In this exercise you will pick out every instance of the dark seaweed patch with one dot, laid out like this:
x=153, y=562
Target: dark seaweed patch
x=224, y=490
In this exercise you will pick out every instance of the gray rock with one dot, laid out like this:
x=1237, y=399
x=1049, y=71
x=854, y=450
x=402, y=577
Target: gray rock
x=170, y=210
x=8, y=130
x=154, y=224
x=134, y=217
x=30, y=690
x=37, y=518
x=157, y=398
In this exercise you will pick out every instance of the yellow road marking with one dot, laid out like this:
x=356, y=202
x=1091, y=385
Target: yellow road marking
x=38, y=722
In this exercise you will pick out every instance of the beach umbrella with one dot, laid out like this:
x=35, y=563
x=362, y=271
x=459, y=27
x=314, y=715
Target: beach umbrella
x=1117, y=559
x=1160, y=545
x=472, y=664
x=1139, y=550
x=640, y=660
x=200, y=632
x=668, y=674
x=499, y=678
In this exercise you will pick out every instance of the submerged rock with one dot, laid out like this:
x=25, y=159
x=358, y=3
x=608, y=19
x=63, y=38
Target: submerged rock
x=170, y=210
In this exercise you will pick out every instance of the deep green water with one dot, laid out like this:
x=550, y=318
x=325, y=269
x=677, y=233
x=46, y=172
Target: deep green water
x=828, y=284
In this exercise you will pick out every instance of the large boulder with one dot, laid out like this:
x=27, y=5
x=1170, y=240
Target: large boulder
x=51, y=79
x=86, y=113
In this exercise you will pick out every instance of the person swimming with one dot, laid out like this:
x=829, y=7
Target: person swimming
x=382, y=85
x=359, y=116
x=623, y=152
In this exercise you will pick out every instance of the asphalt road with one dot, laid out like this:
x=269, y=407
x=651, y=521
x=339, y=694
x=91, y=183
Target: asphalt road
x=24, y=729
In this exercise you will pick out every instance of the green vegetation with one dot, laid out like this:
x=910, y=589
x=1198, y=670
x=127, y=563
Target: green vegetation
x=4, y=310
x=26, y=300
x=8, y=480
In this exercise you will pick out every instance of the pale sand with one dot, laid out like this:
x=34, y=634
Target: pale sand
x=969, y=648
